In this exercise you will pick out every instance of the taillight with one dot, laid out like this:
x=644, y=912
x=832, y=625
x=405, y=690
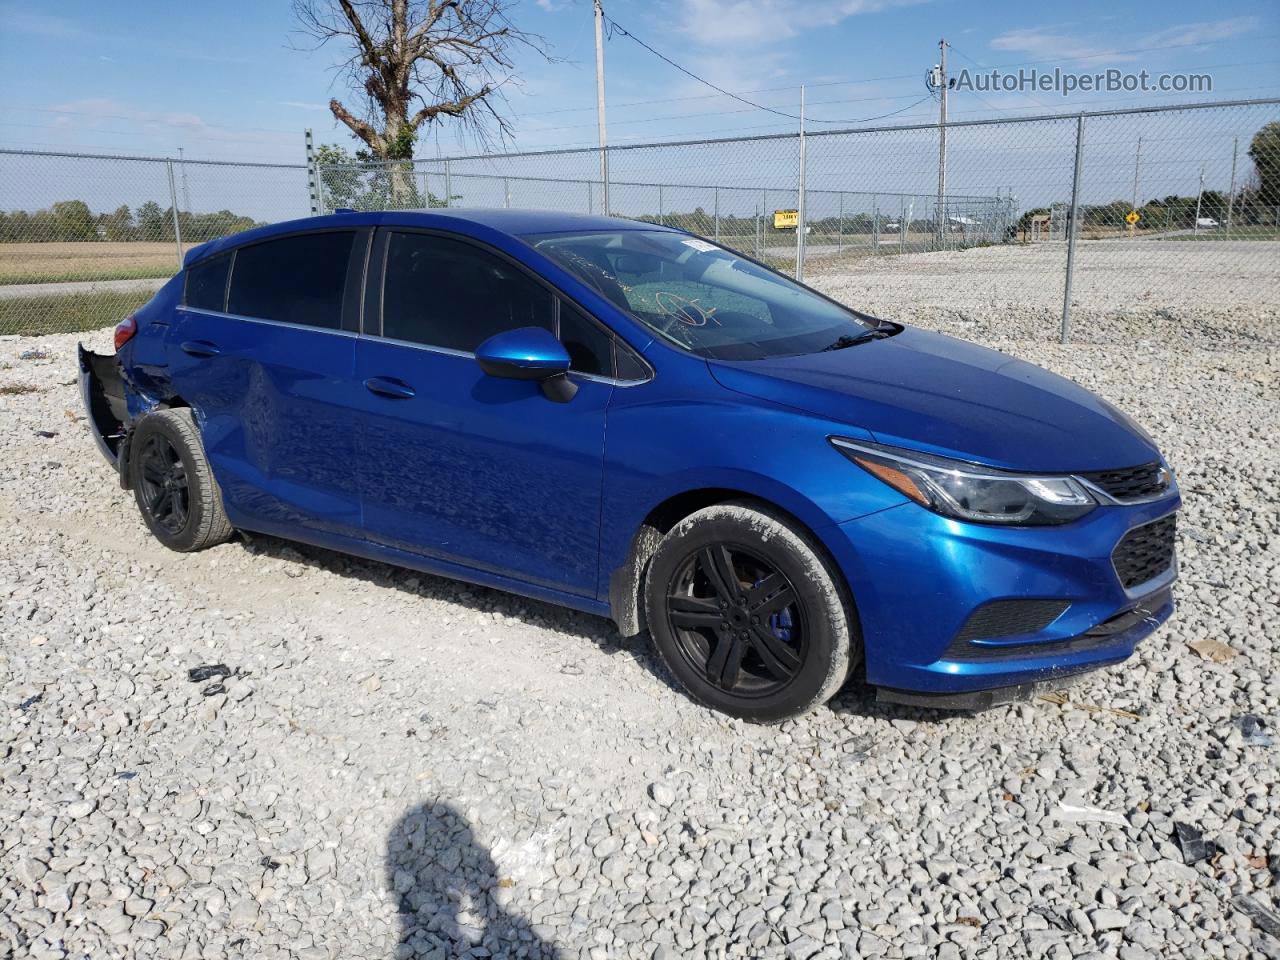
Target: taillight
x=125, y=329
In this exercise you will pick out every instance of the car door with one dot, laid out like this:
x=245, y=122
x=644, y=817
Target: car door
x=263, y=349
x=461, y=466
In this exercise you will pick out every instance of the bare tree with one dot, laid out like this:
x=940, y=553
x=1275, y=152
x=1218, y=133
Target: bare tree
x=418, y=62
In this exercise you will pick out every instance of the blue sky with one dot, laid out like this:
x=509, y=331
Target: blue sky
x=223, y=82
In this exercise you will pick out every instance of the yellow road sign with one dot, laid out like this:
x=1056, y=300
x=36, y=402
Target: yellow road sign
x=1132, y=217
x=786, y=218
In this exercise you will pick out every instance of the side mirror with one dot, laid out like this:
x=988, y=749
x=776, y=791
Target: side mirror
x=529, y=353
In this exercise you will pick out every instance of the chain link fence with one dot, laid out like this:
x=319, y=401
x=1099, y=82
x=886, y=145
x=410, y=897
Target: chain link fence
x=1039, y=220
x=85, y=239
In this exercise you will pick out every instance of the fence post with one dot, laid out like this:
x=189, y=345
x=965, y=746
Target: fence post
x=800, y=204
x=448, y=186
x=902, y=227
x=717, y=212
x=313, y=192
x=506, y=193
x=1073, y=228
x=173, y=206
x=662, y=215
x=1231, y=194
x=757, y=254
x=840, y=226
x=875, y=224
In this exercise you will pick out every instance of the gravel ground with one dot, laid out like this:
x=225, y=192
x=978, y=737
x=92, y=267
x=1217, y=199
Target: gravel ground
x=402, y=766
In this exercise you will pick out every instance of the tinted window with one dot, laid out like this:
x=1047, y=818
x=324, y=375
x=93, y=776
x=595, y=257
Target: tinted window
x=628, y=365
x=207, y=284
x=589, y=348
x=701, y=296
x=296, y=279
x=446, y=293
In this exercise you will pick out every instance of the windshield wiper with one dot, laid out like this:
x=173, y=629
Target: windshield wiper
x=845, y=340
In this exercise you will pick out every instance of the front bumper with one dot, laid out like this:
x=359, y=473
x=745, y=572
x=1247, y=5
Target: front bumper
x=918, y=578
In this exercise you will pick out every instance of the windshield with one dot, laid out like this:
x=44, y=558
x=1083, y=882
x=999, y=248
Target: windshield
x=702, y=297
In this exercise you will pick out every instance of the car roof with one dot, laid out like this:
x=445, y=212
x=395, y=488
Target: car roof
x=515, y=222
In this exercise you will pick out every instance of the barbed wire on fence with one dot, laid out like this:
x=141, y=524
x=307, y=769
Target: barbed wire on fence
x=86, y=237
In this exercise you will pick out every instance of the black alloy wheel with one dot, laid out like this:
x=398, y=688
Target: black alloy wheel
x=164, y=492
x=745, y=612
x=173, y=484
x=737, y=621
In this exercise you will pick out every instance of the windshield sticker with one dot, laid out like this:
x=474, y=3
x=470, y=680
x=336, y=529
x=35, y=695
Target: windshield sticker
x=700, y=245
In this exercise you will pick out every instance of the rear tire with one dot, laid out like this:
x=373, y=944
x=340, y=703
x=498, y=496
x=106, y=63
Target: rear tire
x=746, y=614
x=173, y=484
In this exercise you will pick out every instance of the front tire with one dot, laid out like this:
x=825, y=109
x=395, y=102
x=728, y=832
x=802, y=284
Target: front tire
x=747, y=615
x=173, y=484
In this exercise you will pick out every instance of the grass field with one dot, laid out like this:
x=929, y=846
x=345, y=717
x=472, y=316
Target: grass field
x=64, y=262
x=68, y=313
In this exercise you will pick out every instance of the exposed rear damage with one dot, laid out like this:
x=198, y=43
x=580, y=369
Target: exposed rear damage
x=102, y=389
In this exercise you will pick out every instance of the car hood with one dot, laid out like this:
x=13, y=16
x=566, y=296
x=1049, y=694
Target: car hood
x=941, y=395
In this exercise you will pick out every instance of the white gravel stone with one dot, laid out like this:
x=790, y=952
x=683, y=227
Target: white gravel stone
x=478, y=795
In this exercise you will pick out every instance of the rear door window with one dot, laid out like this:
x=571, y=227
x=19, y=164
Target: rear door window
x=448, y=293
x=298, y=279
x=207, y=284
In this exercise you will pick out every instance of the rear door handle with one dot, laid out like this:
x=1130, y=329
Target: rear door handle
x=200, y=348
x=389, y=387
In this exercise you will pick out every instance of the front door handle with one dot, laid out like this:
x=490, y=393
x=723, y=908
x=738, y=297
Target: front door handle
x=389, y=387
x=200, y=348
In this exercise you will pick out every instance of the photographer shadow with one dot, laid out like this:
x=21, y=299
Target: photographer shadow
x=448, y=893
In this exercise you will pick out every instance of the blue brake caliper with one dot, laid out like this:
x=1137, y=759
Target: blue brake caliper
x=780, y=623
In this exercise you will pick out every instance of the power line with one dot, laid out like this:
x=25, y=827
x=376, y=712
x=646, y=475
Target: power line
x=912, y=76
x=614, y=26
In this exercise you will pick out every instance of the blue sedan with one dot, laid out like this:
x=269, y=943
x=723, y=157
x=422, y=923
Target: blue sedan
x=635, y=422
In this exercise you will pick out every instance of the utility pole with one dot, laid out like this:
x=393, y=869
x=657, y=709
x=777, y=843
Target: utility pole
x=1231, y=194
x=800, y=227
x=942, y=143
x=604, y=150
x=1137, y=161
x=1195, y=229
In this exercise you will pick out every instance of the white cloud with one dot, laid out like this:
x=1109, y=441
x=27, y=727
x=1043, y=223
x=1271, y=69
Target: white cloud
x=1040, y=44
x=1196, y=33
x=15, y=20
x=102, y=108
x=1044, y=43
x=754, y=23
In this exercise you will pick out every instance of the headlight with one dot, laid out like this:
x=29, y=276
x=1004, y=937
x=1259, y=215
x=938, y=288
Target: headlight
x=966, y=491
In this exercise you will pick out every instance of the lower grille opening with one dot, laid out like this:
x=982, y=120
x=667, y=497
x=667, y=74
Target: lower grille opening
x=1003, y=618
x=1145, y=552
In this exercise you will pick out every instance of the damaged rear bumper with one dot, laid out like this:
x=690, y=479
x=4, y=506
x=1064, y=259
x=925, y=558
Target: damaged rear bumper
x=102, y=390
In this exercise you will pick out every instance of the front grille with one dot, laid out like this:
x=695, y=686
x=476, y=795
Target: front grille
x=1145, y=552
x=1131, y=483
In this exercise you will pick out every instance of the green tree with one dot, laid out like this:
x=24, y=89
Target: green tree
x=117, y=225
x=151, y=222
x=73, y=221
x=1264, y=151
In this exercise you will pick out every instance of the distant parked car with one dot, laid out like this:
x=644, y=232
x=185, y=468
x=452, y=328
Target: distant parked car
x=1203, y=222
x=638, y=423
